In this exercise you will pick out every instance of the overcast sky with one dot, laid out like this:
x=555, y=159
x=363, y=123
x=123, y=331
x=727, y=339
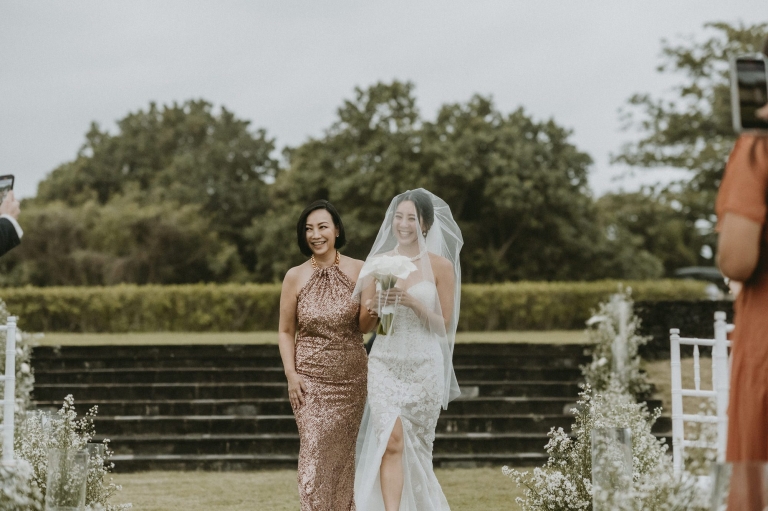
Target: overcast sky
x=287, y=66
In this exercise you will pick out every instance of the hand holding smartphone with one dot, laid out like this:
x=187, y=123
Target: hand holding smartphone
x=749, y=93
x=11, y=206
x=6, y=185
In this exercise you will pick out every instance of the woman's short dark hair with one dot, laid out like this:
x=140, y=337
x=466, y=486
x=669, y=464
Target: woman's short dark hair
x=301, y=225
x=424, y=209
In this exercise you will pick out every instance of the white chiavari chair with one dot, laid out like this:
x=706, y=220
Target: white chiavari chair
x=719, y=393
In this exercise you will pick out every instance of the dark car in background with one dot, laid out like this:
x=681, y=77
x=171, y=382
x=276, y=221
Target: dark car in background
x=717, y=290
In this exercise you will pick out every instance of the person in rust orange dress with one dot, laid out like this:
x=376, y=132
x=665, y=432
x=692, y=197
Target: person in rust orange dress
x=742, y=208
x=325, y=363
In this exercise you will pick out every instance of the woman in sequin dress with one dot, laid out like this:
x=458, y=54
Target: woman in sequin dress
x=324, y=360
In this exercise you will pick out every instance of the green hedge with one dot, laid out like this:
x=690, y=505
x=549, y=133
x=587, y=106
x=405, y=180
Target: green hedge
x=556, y=305
x=251, y=307
x=130, y=308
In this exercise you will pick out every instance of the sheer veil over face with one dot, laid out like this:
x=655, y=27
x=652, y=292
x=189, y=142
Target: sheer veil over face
x=420, y=229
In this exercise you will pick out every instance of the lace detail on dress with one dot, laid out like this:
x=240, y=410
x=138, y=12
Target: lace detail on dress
x=405, y=380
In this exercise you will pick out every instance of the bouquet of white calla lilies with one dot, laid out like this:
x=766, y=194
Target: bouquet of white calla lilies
x=386, y=269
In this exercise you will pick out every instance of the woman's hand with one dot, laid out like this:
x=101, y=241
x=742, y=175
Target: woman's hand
x=296, y=390
x=371, y=305
x=395, y=296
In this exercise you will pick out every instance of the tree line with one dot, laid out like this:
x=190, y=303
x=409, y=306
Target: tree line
x=187, y=192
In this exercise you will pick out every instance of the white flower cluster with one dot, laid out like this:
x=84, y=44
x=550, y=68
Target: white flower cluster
x=386, y=269
x=39, y=433
x=22, y=487
x=610, y=400
x=565, y=481
x=19, y=491
x=603, y=328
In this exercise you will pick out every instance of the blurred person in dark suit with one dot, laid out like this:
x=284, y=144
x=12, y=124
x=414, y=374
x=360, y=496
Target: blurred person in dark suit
x=10, y=230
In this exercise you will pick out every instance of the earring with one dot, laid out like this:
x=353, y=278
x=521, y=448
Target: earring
x=424, y=233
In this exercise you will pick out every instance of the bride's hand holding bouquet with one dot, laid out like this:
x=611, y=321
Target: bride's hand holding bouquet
x=386, y=270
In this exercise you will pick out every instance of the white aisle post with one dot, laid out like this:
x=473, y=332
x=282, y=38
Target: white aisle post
x=9, y=394
x=620, y=342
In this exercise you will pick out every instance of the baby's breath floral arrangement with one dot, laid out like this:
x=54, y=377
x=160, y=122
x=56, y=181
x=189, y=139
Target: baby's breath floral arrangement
x=603, y=328
x=564, y=483
x=65, y=430
x=613, y=400
x=22, y=486
x=18, y=491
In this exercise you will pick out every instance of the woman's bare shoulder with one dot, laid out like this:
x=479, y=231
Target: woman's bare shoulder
x=440, y=263
x=352, y=262
x=351, y=267
x=297, y=275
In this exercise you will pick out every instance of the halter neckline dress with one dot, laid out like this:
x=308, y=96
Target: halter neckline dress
x=331, y=359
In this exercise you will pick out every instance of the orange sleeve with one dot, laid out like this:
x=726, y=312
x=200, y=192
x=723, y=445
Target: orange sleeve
x=744, y=189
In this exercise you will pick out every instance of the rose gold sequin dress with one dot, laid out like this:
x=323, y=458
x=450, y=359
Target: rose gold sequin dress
x=332, y=361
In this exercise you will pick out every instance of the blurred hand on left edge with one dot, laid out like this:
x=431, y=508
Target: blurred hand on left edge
x=10, y=206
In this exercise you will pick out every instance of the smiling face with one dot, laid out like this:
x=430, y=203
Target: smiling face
x=406, y=224
x=321, y=232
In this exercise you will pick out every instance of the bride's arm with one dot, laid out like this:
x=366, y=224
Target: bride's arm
x=444, y=281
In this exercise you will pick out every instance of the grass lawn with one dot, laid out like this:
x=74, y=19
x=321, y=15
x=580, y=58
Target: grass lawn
x=482, y=489
x=178, y=338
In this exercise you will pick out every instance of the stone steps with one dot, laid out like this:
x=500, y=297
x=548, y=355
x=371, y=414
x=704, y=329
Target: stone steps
x=280, y=406
x=536, y=356
x=237, y=424
x=127, y=375
x=288, y=443
x=225, y=407
x=239, y=390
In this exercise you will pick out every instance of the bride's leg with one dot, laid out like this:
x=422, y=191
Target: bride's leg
x=392, y=469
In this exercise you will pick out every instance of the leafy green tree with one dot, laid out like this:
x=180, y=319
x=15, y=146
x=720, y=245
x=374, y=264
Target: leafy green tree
x=370, y=154
x=648, y=222
x=183, y=153
x=691, y=128
x=517, y=187
x=121, y=241
x=182, y=194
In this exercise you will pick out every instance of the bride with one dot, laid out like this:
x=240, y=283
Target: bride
x=410, y=369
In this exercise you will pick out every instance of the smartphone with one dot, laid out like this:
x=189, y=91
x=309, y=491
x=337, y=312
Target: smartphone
x=749, y=92
x=6, y=185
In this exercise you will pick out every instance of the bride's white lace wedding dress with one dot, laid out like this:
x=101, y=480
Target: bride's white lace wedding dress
x=406, y=380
